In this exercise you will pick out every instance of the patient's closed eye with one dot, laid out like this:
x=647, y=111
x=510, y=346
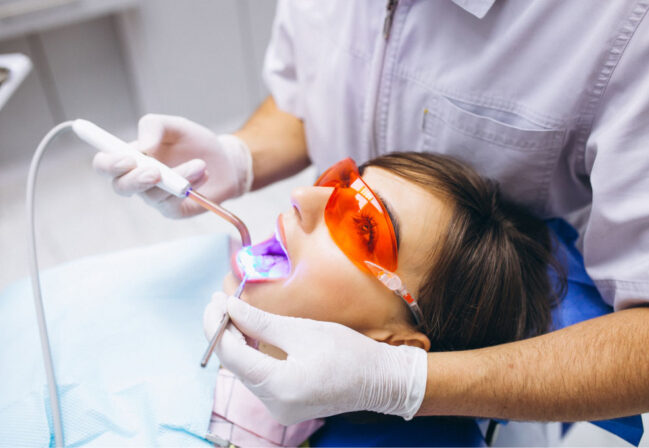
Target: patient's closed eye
x=366, y=228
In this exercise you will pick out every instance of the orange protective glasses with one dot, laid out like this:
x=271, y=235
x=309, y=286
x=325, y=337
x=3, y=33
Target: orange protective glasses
x=360, y=226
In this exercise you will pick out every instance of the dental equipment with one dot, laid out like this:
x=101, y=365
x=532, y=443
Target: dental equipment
x=222, y=324
x=170, y=181
x=14, y=68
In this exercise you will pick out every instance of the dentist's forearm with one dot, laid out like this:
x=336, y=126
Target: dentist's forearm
x=277, y=143
x=597, y=369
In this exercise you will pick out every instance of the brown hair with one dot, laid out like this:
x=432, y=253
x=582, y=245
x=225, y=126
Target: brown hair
x=489, y=279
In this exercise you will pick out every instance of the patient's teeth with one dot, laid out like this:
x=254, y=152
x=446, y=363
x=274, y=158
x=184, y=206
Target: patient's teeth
x=264, y=261
x=280, y=269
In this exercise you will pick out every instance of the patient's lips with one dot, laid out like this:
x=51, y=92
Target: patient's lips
x=266, y=261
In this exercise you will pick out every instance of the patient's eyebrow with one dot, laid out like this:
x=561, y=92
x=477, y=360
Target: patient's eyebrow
x=393, y=218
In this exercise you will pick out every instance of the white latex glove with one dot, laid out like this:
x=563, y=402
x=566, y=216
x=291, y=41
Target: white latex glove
x=219, y=166
x=330, y=369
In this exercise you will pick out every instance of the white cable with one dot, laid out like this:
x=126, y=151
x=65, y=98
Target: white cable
x=36, y=286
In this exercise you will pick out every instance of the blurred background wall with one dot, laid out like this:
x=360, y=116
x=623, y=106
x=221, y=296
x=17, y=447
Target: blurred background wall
x=110, y=61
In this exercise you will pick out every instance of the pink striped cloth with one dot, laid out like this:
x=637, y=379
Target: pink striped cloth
x=241, y=419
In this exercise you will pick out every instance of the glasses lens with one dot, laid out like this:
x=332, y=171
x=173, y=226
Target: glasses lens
x=342, y=174
x=357, y=221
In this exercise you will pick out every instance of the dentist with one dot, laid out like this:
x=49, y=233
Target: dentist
x=551, y=98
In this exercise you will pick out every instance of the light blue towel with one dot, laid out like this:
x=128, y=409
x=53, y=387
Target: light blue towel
x=127, y=339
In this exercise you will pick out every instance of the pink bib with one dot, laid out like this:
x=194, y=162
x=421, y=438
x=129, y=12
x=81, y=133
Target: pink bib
x=240, y=418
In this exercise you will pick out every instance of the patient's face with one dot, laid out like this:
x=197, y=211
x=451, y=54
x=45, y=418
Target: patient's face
x=325, y=285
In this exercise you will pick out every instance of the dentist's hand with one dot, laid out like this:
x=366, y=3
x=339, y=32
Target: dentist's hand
x=330, y=369
x=220, y=166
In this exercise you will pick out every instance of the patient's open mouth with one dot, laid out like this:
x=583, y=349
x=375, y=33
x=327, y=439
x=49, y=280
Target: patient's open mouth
x=266, y=261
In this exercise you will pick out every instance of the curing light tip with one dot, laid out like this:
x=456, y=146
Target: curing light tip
x=223, y=213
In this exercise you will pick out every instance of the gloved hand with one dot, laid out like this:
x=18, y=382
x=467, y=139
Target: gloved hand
x=220, y=166
x=330, y=369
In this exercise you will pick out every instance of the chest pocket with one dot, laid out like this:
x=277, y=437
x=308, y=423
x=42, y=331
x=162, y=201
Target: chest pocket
x=501, y=145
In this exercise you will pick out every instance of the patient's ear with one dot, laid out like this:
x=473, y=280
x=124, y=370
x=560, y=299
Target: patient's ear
x=400, y=335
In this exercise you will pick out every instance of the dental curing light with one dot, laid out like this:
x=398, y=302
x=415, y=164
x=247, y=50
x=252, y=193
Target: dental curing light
x=170, y=181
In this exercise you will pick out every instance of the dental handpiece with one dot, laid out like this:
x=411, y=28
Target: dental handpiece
x=225, y=320
x=170, y=181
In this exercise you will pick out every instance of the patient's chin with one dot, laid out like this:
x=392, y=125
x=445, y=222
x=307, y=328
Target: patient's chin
x=251, y=291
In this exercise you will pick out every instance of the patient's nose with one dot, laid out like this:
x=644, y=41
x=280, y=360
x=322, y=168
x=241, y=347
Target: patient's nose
x=309, y=203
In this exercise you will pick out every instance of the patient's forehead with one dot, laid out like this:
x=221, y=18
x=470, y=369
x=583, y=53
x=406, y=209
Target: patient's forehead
x=422, y=217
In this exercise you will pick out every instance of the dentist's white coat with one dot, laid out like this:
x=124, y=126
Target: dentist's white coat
x=551, y=98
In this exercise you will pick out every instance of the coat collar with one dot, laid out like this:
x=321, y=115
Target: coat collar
x=478, y=8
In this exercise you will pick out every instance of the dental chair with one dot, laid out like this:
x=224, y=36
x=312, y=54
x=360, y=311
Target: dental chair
x=127, y=338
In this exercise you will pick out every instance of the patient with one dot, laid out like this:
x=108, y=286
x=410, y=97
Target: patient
x=472, y=271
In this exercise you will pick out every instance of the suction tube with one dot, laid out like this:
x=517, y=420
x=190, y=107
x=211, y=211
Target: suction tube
x=36, y=282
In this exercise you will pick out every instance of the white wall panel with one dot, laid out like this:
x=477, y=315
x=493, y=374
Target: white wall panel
x=187, y=59
x=199, y=58
x=89, y=74
x=261, y=13
x=18, y=18
x=26, y=117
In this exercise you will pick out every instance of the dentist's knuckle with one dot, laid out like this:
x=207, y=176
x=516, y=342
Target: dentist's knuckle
x=148, y=118
x=121, y=187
